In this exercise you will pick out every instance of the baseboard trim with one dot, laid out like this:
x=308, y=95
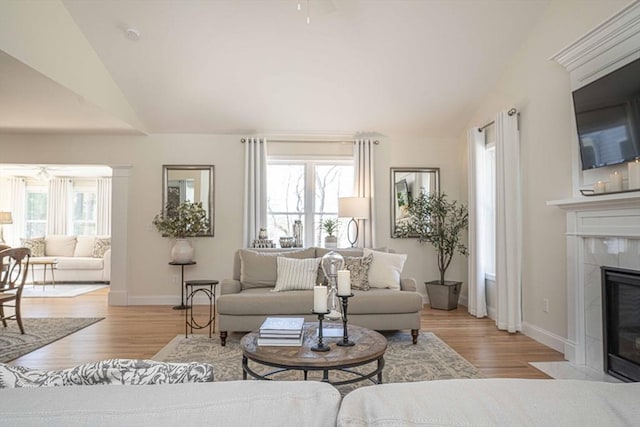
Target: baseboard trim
x=117, y=297
x=545, y=337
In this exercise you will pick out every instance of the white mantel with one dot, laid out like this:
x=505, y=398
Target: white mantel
x=603, y=229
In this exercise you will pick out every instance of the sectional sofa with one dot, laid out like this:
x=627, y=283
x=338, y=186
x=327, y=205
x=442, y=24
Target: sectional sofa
x=248, y=297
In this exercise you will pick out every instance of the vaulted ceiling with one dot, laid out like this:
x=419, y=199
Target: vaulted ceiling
x=386, y=66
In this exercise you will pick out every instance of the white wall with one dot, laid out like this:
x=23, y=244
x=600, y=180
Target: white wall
x=539, y=89
x=149, y=279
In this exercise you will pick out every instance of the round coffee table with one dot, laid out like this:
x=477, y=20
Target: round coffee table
x=369, y=347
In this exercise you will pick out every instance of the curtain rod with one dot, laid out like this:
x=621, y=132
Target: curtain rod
x=511, y=112
x=243, y=140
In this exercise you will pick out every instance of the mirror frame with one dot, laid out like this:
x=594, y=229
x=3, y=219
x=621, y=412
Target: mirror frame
x=210, y=205
x=393, y=193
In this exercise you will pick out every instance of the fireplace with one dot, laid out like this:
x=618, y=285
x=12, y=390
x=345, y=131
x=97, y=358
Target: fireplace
x=621, y=322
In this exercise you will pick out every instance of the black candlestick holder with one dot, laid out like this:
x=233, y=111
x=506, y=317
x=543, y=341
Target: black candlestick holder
x=320, y=346
x=345, y=333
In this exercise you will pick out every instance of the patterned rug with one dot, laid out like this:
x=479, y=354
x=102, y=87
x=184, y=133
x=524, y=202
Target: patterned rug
x=38, y=332
x=430, y=359
x=59, y=291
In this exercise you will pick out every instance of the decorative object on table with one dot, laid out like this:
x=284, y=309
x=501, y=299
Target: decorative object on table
x=185, y=220
x=615, y=182
x=262, y=234
x=345, y=332
x=634, y=174
x=5, y=218
x=330, y=226
x=263, y=243
x=281, y=331
x=332, y=262
x=354, y=208
x=320, y=346
x=287, y=242
x=439, y=222
x=297, y=233
x=599, y=187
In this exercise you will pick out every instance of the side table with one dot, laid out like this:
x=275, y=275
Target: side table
x=182, y=305
x=208, y=288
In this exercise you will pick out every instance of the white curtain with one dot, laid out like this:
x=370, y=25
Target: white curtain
x=57, y=206
x=477, y=304
x=104, y=207
x=255, y=188
x=363, y=160
x=12, y=199
x=508, y=223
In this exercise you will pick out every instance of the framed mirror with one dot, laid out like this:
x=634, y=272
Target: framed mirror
x=407, y=183
x=194, y=183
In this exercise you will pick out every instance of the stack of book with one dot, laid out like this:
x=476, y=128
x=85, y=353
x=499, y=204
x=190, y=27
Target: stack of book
x=282, y=331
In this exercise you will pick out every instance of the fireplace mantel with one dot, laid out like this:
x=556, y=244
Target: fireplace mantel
x=605, y=201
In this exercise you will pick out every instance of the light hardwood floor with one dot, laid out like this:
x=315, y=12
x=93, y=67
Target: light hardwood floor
x=141, y=331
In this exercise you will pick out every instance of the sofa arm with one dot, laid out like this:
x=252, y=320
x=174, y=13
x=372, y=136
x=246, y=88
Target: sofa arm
x=106, y=266
x=230, y=286
x=408, y=284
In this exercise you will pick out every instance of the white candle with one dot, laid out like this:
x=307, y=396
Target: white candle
x=599, y=187
x=634, y=174
x=320, y=299
x=344, y=282
x=615, y=182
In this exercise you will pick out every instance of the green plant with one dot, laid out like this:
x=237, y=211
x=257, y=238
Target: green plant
x=184, y=220
x=329, y=225
x=436, y=220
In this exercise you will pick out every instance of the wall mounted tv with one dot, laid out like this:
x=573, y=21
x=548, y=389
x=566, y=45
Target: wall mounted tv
x=608, y=118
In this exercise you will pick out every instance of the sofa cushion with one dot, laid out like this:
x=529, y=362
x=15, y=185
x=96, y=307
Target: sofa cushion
x=58, y=245
x=36, y=245
x=358, y=271
x=296, y=274
x=79, y=263
x=385, y=269
x=101, y=246
x=259, y=270
x=84, y=246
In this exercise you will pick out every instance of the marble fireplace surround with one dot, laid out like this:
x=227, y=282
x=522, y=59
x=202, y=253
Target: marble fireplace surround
x=601, y=230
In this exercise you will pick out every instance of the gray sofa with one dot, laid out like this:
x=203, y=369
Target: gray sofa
x=470, y=402
x=247, y=298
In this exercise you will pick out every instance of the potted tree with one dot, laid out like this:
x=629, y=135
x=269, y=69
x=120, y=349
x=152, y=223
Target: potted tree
x=440, y=222
x=179, y=222
x=330, y=225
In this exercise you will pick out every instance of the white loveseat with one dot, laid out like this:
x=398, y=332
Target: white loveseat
x=78, y=259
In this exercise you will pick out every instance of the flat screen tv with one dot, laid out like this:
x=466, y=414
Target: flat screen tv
x=608, y=118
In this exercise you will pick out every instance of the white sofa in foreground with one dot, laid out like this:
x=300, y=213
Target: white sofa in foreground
x=469, y=402
x=80, y=258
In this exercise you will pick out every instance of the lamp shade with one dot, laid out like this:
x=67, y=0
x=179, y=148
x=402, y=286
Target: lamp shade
x=353, y=207
x=5, y=218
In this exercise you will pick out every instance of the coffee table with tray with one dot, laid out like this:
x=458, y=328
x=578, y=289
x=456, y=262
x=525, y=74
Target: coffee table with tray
x=370, y=347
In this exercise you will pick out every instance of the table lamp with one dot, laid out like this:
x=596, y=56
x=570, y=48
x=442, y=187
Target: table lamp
x=354, y=208
x=5, y=218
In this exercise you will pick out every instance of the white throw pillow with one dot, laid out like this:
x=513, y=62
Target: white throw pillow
x=296, y=274
x=385, y=269
x=84, y=246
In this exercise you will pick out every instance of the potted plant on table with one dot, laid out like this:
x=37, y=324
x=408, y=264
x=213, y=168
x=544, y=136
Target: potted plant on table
x=330, y=225
x=179, y=222
x=440, y=222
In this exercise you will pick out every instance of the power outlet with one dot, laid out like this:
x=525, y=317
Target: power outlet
x=545, y=305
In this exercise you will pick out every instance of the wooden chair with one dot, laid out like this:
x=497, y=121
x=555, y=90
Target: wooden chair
x=14, y=264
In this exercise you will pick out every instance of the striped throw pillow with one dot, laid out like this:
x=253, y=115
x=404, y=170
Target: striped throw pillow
x=296, y=274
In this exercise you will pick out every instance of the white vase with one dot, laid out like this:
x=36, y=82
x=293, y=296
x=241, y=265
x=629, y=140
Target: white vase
x=182, y=251
x=330, y=242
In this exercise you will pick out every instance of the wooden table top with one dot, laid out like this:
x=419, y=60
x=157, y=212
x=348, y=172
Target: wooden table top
x=370, y=345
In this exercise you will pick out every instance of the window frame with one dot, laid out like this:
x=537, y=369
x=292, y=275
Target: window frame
x=82, y=187
x=489, y=207
x=35, y=188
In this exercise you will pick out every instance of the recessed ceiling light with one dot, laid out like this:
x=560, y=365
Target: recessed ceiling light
x=132, y=34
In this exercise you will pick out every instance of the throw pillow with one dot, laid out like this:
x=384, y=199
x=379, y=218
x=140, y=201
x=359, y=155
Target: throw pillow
x=296, y=274
x=358, y=271
x=36, y=245
x=385, y=269
x=101, y=246
x=259, y=270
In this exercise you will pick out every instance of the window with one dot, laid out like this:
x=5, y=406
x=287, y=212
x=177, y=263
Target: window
x=306, y=190
x=84, y=217
x=488, y=206
x=36, y=211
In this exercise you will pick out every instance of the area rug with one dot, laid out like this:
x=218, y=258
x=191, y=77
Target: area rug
x=61, y=290
x=430, y=359
x=38, y=332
